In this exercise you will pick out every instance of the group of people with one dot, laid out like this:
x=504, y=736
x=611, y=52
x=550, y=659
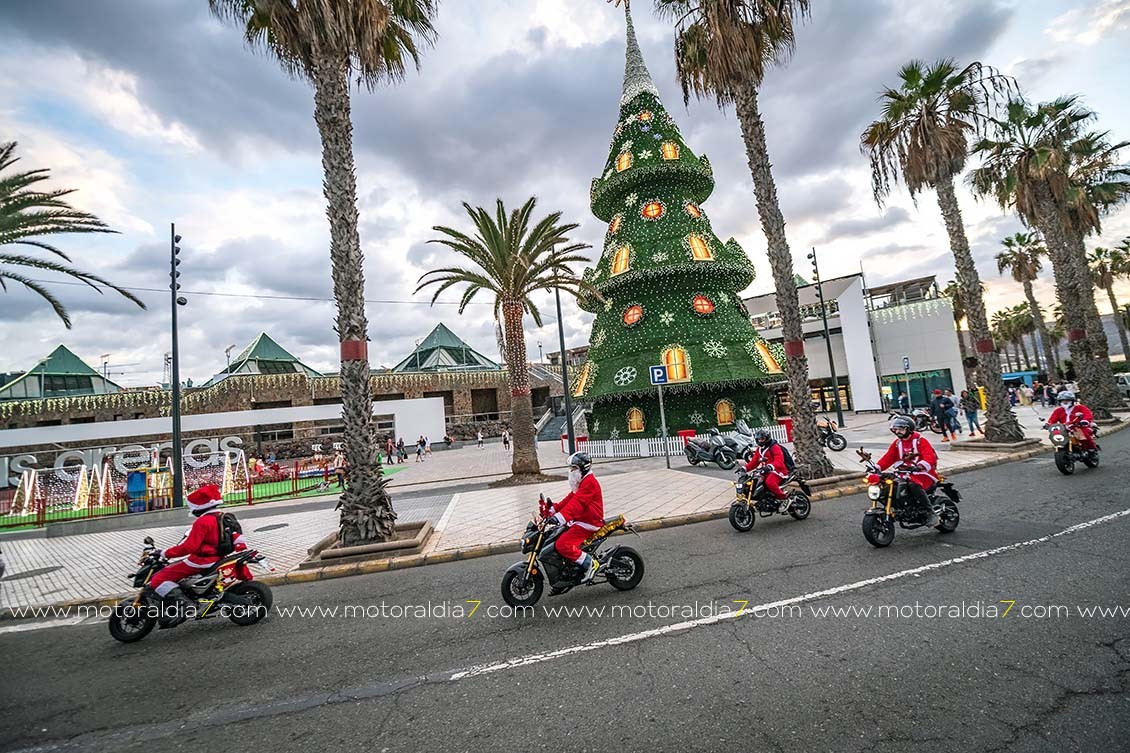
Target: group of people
x=945, y=409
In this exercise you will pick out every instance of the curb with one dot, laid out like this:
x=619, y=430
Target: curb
x=508, y=547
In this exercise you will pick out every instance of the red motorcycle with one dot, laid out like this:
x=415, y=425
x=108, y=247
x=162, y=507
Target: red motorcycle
x=1068, y=440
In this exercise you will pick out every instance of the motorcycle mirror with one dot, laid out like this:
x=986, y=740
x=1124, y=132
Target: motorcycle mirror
x=148, y=540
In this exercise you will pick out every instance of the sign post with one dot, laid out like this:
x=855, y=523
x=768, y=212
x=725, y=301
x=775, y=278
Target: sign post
x=659, y=378
x=906, y=378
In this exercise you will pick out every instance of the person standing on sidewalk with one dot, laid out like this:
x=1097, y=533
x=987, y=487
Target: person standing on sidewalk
x=969, y=405
x=904, y=403
x=479, y=438
x=938, y=412
x=506, y=439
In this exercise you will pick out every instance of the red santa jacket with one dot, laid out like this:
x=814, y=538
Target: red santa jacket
x=1077, y=413
x=201, y=543
x=773, y=455
x=583, y=508
x=917, y=451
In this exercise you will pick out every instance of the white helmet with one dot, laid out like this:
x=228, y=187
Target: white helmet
x=1067, y=396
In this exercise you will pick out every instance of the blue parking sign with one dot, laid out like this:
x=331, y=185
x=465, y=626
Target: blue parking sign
x=658, y=374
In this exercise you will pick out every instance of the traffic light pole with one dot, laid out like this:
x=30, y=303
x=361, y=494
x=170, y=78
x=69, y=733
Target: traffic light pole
x=827, y=338
x=175, y=301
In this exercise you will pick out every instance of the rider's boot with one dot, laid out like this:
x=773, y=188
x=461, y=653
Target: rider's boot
x=591, y=567
x=175, y=606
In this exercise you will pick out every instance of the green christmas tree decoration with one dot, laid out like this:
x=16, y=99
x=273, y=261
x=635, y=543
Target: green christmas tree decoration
x=670, y=288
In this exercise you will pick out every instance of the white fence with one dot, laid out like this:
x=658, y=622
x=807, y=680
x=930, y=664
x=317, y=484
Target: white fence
x=653, y=446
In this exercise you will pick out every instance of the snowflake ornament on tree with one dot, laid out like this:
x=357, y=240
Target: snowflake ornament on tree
x=659, y=257
x=598, y=338
x=645, y=154
x=596, y=425
x=746, y=412
x=631, y=199
x=714, y=349
x=696, y=418
x=614, y=434
x=625, y=376
x=667, y=318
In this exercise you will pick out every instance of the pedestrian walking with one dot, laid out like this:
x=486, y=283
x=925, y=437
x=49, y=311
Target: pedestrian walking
x=420, y=449
x=401, y=451
x=479, y=438
x=506, y=439
x=938, y=407
x=904, y=403
x=970, y=404
x=952, y=412
x=427, y=445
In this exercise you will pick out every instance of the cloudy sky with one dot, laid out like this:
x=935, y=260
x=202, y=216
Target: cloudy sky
x=157, y=113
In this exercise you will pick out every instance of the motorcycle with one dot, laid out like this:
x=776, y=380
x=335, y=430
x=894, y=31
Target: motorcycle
x=226, y=589
x=523, y=582
x=829, y=437
x=742, y=440
x=1066, y=441
x=891, y=503
x=712, y=449
x=923, y=419
x=753, y=499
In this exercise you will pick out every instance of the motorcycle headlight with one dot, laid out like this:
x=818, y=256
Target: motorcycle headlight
x=873, y=492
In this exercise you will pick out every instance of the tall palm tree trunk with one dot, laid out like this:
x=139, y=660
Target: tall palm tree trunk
x=525, y=457
x=1000, y=422
x=810, y=453
x=1104, y=394
x=1025, y=362
x=1118, y=321
x=1041, y=328
x=366, y=509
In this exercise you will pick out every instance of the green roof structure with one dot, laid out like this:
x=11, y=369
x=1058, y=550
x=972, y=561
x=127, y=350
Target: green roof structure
x=264, y=356
x=60, y=374
x=442, y=350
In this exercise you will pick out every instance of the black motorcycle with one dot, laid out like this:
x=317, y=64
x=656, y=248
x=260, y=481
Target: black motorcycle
x=225, y=589
x=523, y=583
x=923, y=419
x=753, y=499
x=892, y=502
x=829, y=437
x=1067, y=441
x=713, y=448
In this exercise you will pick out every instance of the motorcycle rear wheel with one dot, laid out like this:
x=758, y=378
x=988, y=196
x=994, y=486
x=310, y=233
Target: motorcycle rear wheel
x=837, y=443
x=1064, y=462
x=1091, y=459
x=260, y=598
x=742, y=517
x=800, y=506
x=950, y=517
x=692, y=459
x=625, y=569
x=517, y=594
x=935, y=427
x=129, y=630
x=726, y=460
x=878, y=532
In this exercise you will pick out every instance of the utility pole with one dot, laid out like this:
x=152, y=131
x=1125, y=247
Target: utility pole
x=827, y=337
x=176, y=301
x=565, y=377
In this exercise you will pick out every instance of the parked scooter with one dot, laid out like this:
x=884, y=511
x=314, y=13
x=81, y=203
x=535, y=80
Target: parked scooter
x=712, y=449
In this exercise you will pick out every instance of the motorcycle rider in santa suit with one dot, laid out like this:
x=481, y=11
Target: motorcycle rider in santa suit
x=912, y=449
x=770, y=453
x=582, y=510
x=1071, y=413
x=199, y=548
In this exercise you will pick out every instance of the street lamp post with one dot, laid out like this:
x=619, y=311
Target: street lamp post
x=827, y=338
x=565, y=377
x=176, y=301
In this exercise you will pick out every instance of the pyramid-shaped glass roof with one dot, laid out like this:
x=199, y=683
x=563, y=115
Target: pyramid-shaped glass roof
x=443, y=350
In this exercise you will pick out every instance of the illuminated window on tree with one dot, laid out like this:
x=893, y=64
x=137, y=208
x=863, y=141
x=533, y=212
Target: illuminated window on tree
x=771, y=365
x=635, y=421
x=675, y=359
x=633, y=315
x=669, y=150
x=652, y=210
x=700, y=251
x=724, y=412
x=620, y=261
x=623, y=162
x=583, y=380
x=703, y=305
x=646, y=115
x=693, y=210
x=614, y=226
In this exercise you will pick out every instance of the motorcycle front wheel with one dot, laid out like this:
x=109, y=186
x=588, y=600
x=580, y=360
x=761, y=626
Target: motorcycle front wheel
x=127, y=627
x=1091, y=460
x=837, y=443
x=625, y=569
x=255, y=601
x=520, y=590
x=726, y=460
x=1064, y=462
x=742, y=517
x=878, y=531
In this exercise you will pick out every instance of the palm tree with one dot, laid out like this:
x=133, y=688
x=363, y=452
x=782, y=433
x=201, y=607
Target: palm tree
x=1107, y=265
x=328, y=43
x=512, y=261
x=722, y=50
x=923, y=136
x=1027, y=167
x=1023, y=325
x=953, y=291
x=1021, y=258
x=1004, y=331
x=26, y=215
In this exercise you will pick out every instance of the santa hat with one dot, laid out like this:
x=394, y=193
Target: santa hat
x=205, y=498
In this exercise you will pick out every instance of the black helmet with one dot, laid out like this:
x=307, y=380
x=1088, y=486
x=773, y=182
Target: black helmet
x=902, y=426
x=581, y=461
x=763, y=438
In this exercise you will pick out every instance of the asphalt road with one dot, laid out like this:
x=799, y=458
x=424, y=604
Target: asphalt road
x=784, y=681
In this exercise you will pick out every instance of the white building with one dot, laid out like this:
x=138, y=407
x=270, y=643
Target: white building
x=872, y=331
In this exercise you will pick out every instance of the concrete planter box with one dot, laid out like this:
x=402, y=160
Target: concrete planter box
x=980, y=445
x=410, y=539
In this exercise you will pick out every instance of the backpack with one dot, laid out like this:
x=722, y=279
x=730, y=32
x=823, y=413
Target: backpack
x=790, y=464
x=229, y=530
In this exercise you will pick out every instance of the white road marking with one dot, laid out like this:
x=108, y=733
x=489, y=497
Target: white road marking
x=678, y=627
x=442, y=524
x=20, y=626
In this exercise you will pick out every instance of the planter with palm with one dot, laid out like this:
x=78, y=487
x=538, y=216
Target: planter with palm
x=1021, y=258
x=512, y=259
x=922, y=137
x=329, y=44
x=1107, y=265
x=28, y=213
x=722, y=51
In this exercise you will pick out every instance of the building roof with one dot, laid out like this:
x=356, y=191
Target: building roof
x=264, y=356
x=442, y=350
x=894, y=287
x=806, y=294
x=60, y=362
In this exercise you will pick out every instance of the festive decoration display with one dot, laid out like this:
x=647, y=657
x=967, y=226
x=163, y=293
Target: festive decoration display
x=670, y=286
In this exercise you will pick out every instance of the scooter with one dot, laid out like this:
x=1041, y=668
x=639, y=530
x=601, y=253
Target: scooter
x=712, y=449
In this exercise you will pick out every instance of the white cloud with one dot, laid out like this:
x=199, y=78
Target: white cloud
x=1090, y=25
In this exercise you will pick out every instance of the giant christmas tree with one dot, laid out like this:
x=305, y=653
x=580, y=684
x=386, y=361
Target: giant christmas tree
x=670, y=287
